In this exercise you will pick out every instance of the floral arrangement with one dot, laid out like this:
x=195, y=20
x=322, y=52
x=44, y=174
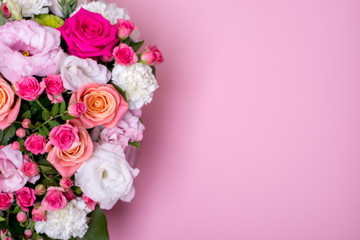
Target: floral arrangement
x=72, y=85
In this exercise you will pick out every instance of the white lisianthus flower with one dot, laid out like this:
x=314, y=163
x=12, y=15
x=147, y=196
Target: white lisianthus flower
x=137, y=81
x=68, y=222
x=29, y=8
x=56, y=9
x=76, y=72
x=107, y=177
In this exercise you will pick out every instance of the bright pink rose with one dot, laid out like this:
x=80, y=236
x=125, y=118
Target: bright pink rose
x=77, y=109
x=91, y=204
x=89, y=34
x=38, y=213
x=152, y=56
x=54, y=199
x=10, y=107
x=54, y=88
x=70, y=195
x=66, y=183
x=124, y=55
x=125, y=28
x=64, y=137
x=35, y=144
x=11, y=162
x=30, y=169
x=6, y=11
x=25, y=198
x=104, y=105
x=67, y=162
x=6, y=200
x=29, y=88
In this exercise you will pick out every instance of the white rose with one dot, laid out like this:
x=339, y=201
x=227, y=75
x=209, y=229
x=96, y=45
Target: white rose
x=76, y=72
x=107, y=177
x=137, y=81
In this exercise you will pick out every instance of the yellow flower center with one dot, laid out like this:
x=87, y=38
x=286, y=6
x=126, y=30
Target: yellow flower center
x=25, y=53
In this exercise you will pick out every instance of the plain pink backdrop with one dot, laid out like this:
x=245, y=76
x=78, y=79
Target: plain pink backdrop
x=254, y=133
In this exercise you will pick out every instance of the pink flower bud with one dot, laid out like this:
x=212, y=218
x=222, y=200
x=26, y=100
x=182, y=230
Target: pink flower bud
x=26, y=157
x=15, y=145
x=125, y=28
x=65, y=183
x=40, y=190
x=25, y=123
x=30, y=169
x=6, y=11
x=89, y=202
x=77, y=109
x=28, y=233
x=70, y=195
x=124, y=55
x=21, y=132
x=21, y=217
x=152, y=56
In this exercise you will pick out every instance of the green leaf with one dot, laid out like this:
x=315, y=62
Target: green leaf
x=45, y=115
x=46, y=130
x=122, y=92
x=54, y=123
x=2, y=19
x=1, y=135
x=42, y=132
x=14, y=227
x=17, y=209
x=136, y=46
x=43, y=162
x=48, y=170
x=2, y=219
x=153, y=70
x=62, y=107
x=8, y=134
x=97, y=226
x=55, y=109
x=26, y=114
x=38, y=124
x=67, y=117
x=135, y=144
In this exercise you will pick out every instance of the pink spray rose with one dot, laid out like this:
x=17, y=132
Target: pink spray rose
x=124, y=55
x=91, y=204
x=30, y=169
x=66, y=183
x=54, y=88
x=89, y=34
x=152, y=56
x=10, y=107
x=77, y=109
x=6, y=200
x=38, y=213
x=35, y=144
x=67, y=162
x=70, y=195
x=54, y=199
x=104, y=105
x=64, y=137
x=28, y=49
x=29, y=88
x=125, y=28
x=6, y=11
x=11, y=162
x=25, y=198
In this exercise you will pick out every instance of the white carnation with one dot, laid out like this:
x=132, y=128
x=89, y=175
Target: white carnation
x=29, y=8
x=68, y=222
x=137, y=81
x=76, y=72
x=107, y=177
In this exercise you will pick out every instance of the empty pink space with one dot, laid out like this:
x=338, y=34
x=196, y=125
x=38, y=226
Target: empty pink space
x=254, y=133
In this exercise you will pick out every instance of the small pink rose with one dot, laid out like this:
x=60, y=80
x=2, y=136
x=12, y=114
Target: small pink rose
x=6, y=200
x=6, y=11
x=25, y=198
x=125, y=28
x=29, y=88
x=54, y=199
x=35, y=144
x=89, y=202
x=124, y=55
x=38, y=214
x=77, y=109
x=30, y=169
x=64, y=137
x=70, y=195
x=152, y=56
x=66, y=183
x=54, y=88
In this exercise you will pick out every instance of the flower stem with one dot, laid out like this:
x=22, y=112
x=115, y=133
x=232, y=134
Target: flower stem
x=38, y=102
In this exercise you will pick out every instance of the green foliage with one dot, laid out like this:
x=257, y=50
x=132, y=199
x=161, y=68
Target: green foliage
x=97, y=226
x=7, y=134
x=55, y=109
x=122, y=92
x=136, y=45
x=2, y=19
x=135, y=144
x=26, y=114
x=62, y=107
x=45, y=115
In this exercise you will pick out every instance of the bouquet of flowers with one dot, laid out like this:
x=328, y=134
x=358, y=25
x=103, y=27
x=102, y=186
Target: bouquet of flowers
x=72, y=85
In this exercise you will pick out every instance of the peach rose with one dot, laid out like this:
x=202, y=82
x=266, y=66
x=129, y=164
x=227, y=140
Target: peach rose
x=9, y=107
x=104, y=105
x=67, y=162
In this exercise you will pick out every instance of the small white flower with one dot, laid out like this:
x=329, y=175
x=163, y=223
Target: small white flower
x=68, y=222
x=76, y=72
x=137, y=81
x=29, y=8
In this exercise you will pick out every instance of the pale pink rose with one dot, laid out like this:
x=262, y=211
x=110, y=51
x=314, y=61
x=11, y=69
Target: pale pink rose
x=125, y=28
x=38, y=213
x=29, y=88
x=10, y=107
x=67, y=162
x=54, y=199
x=124, y=55
x=70, y=195
x=35, y=144
x=30, y=169
x=28, y=49
x=25, y=198
x=104, y=105
x=66, y=183
x=6, y=200
x=91, y=204
x=11, y=162
x=77, y=109
x=152, y=56
x=64, y=137
x=54, y=88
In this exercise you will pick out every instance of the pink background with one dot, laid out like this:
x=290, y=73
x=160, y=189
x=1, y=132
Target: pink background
x=254, y=133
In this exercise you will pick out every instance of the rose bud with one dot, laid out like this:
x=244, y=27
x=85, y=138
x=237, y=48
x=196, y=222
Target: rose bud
x=77, y=109
x=70, y=195
x=28, y=233
x=15, y=145
x=40, y=190
x=125, y=28
x=152, y=56
x=25, y=123
x=65, y=183
x=21, y=217
x=21, y=132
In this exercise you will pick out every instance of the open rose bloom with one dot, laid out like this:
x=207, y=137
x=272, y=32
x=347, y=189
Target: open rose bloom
x=72, y=85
